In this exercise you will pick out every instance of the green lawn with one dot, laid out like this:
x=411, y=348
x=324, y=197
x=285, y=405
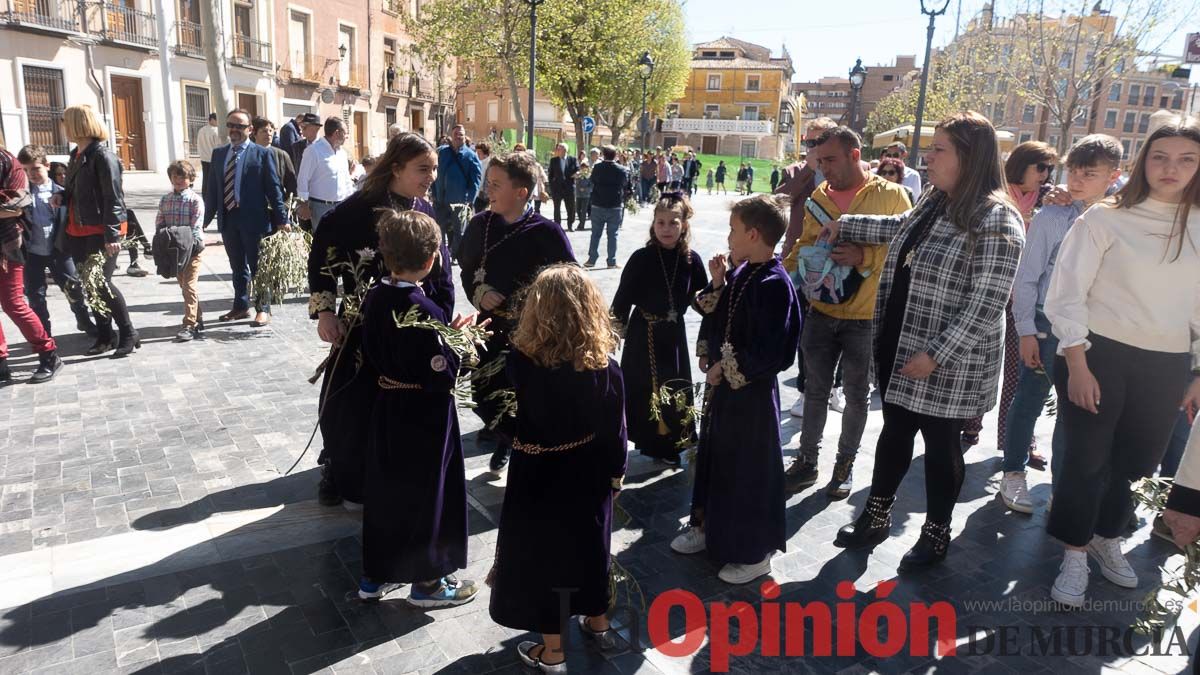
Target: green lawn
x=762, y=171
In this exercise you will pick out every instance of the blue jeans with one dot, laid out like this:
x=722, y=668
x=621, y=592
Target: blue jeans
x=601, y=218
x=647, y=184
x=1027, y=405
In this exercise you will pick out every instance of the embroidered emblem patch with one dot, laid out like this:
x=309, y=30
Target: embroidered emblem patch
x=438, y=363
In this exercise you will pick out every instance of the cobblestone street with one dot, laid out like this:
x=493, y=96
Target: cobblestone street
x=148, y=523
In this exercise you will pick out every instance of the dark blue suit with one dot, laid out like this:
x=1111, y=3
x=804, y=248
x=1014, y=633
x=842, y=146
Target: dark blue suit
x=258, y=212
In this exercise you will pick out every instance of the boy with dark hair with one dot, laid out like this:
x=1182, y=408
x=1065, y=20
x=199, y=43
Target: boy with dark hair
x=42, y=223
x=183, y=211
x=1092, y=165
x=415, y=513
x=749, y=334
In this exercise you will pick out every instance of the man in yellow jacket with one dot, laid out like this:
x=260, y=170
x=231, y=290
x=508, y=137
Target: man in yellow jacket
x=842, y=330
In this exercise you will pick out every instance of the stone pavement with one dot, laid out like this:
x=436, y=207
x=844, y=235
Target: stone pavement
x=147, y=524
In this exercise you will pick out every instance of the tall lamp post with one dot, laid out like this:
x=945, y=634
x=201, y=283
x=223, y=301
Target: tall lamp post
x=914, y=156
x=858, y=75
x=645, y=70
x=533, y=5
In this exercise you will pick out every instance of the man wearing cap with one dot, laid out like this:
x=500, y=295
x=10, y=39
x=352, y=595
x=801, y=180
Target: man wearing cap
x=912, y=178
x=310, y=128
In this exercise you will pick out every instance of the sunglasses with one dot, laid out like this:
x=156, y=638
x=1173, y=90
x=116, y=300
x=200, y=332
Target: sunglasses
x=888, y=173
x=1044, y=167
x=232, y=125
x=891, y=155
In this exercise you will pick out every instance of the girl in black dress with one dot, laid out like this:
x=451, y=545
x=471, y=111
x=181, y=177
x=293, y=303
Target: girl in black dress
x=658, y=284
x=568, y=462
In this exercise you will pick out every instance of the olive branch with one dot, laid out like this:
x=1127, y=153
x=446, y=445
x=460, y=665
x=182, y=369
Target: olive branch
x=282, y=265
x=464, y=342
x=91, y=277
x=1182, y=582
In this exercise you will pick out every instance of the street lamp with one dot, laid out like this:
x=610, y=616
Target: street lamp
x=858, y=75
x=533, y=5
x=913, y=158
x=645, y=70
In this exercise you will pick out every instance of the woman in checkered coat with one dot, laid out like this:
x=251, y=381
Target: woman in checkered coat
x=939, y=324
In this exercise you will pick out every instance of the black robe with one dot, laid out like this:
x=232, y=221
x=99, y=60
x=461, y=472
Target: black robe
x=415, y=514
x=556, y=521
x=520, y=251
x=643, y=290
x=347, y=393
x=738, y=496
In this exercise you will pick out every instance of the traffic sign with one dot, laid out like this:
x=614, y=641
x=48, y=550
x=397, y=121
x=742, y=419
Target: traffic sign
x=1192, y=52
x=589, y=124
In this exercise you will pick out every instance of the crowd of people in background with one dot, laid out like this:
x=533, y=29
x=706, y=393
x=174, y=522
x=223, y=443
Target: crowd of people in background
x=982, y=285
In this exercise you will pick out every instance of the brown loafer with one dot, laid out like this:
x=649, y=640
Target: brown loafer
x=234, y=315
x=261, y=319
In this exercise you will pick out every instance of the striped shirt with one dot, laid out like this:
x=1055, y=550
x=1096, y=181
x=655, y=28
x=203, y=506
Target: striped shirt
x=181, y=209
x=1046, y=233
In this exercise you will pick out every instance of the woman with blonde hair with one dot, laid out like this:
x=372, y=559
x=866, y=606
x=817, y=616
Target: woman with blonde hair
x=939, y=324
x=97, y=222
x=567, y=465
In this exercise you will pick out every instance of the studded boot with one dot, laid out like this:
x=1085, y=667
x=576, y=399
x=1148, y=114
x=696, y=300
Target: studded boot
x=872, y=526
x=930, y=549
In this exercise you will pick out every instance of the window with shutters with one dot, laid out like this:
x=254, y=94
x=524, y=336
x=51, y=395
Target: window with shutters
x=196, y=109
x=44, y=105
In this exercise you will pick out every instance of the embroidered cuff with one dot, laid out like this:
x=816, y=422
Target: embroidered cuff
x=480, y=291
x=321, y=301
x=729, y=368
x=701, y=347
x=707, y=301
x=620, y=327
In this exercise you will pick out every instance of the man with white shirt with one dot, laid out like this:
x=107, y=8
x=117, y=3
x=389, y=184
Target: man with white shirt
x=912, y=178
x=324, y=177
x=208, y=138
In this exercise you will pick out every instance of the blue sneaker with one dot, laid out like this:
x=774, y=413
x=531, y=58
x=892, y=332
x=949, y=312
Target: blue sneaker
x=449, y=593
x=370, y=591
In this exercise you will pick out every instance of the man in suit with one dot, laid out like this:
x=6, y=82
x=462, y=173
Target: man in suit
x=246, y=196
x=562, y=184
x=691, y=171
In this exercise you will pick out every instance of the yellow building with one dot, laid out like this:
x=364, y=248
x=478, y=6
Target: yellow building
x=737, y=102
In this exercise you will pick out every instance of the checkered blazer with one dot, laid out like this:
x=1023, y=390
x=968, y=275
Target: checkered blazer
x=956, y=304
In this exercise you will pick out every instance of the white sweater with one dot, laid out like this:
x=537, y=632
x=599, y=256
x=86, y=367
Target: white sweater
x=1116, y=276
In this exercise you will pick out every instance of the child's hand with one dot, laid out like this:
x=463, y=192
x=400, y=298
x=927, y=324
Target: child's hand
x=1191, y=400
x=717, y=267
x=714, y=375
x=460, y=321
x=491, y=300
x=1084, y=390
x=330, y=328
x=704, y=364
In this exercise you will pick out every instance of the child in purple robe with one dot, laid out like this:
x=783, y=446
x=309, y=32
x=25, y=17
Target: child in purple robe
x=567, y=464
x=749, y=335
x=415, y=510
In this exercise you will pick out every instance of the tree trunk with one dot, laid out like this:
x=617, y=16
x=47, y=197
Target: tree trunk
x=515, y=96
x=214, y=57
x=577, y=114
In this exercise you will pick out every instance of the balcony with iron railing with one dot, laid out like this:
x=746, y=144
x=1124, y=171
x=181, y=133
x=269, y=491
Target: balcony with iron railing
x=121, y=24
x=303, y=69
x=719, y=126
x=352, y=77
x=251, y=53
x=188, y=39
x=53, y=15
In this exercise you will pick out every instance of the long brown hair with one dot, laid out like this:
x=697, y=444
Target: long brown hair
x=981, y=185
x=564, y=319
x=1137, y=190
x=400, y=151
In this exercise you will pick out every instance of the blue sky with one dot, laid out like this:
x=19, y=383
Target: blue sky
x=825, y=37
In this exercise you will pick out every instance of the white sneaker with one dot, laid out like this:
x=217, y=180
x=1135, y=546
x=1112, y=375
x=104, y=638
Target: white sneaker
x=1113, y=565
x=1015, y=493
x=837, y=400
x=798, y=407
x=691, y=541
x=1070, y=587
x=736, y=573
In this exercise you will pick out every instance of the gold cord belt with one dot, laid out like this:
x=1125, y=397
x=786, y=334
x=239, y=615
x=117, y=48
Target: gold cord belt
x=388, y=383
x=531, y=449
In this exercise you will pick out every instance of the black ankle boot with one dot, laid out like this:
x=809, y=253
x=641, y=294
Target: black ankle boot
x=327, y=492
x=48, y=366
x=930, y=549
x=5, y=373
x=499, y=458
x=873, y=524
x=129, y=342
x=102, y=344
